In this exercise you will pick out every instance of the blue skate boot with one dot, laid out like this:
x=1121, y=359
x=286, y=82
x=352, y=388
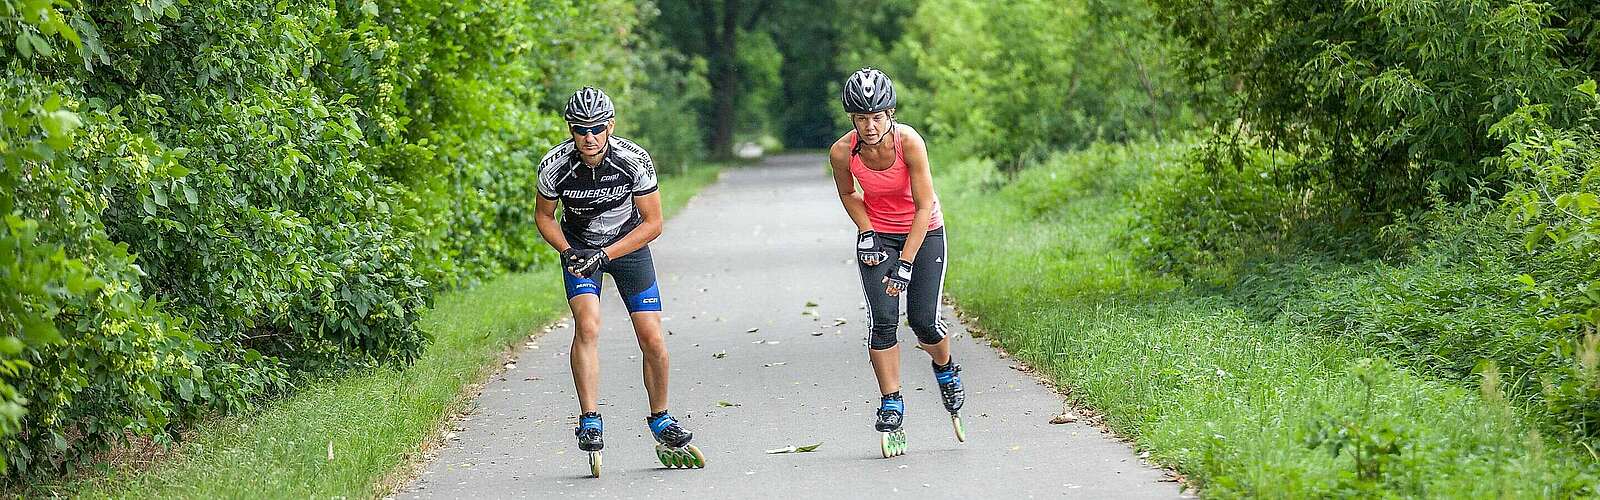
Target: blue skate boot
x=949, y=379
x=589, y=433
x=891, y=437
x=672, y=443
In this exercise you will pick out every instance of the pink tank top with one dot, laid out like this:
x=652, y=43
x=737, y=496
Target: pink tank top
x=888, y=193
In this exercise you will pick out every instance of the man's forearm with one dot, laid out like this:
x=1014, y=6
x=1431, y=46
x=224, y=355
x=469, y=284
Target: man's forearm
x=551, y=231
x=635, y=239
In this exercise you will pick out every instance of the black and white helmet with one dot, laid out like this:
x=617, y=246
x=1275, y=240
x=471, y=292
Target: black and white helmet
x=868, y=91
x=589, y=106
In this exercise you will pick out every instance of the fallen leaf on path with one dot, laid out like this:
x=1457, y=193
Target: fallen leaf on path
x=726, y=404
x=720, y=354
x=839, y=321
x=780, y=363
x=811, y=303
x=794, y=449
x=752, y=330
x=816, y=334
x=1064, y=418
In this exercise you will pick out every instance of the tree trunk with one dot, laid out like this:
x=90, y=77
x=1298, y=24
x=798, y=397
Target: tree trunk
x=725, y=83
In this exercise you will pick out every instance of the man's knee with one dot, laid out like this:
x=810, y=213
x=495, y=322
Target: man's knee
x=587, y=329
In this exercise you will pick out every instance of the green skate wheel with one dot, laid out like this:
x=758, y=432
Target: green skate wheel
x=696, y=459
x=961, y=430
x=594, y=464
x=893, y=443
x=663, y=456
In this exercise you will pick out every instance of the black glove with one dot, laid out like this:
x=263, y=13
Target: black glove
x=584, y=263
x=869, y=250
x=899, y=278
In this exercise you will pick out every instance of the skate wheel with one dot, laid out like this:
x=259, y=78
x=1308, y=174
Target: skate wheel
x=594, y=464
x=687, y=457
x=893, y=444
x=664, y=454
x=696, y=459
x=961, y=430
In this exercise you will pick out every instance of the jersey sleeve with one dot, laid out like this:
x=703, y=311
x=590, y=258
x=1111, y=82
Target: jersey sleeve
x=549, y=170
x=644, y=171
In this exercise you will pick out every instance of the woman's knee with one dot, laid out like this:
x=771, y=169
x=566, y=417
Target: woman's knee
x=929, y=332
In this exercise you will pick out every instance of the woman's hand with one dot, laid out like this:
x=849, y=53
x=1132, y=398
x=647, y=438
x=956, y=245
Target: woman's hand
x=869, y=250
x=898, y=279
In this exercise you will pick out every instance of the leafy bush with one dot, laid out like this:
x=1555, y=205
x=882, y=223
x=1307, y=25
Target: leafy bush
x=1382, y=99
x=1016, y=83
x=1205, y=217
x=1508, y=282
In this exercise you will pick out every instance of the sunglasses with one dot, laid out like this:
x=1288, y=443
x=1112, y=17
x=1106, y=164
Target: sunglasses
x=580, y=130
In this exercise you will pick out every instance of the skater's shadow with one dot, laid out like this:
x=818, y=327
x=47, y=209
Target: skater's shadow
x=912, y=454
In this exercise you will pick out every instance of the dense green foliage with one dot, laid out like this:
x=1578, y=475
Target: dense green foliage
x=1014, y=83
x=1385, y=99
x=1243, y=407
x=203, y=200
x=1414, y=175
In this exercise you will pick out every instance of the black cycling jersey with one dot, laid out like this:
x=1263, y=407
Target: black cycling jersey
x=597, y=202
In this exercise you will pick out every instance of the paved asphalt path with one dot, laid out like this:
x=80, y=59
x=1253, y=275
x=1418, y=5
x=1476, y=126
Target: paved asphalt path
x=750, y=252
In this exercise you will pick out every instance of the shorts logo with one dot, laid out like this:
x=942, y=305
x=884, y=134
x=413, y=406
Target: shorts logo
x=651, y=300
x=584, y=286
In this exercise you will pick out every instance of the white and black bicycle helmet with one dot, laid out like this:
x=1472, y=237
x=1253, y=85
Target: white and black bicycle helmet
x=589, y=106
x=868, y=91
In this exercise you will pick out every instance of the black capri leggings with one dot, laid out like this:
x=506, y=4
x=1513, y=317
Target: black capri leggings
x=922, y=297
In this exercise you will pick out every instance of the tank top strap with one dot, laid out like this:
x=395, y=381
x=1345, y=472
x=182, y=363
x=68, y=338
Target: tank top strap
x=899, y=152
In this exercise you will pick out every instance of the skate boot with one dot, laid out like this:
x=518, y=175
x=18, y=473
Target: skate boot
x=589, y=439
x=672, y=443
x=949, y=378
x=891, y=437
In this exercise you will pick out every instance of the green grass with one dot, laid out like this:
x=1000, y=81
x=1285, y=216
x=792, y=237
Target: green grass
x=1232, y=402
x=374, y=421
